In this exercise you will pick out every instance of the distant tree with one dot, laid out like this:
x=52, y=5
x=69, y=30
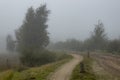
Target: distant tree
x=32, y=36
x=10, y=43
x=88, y=44
x=73, y=44
x=114, y=46
x=69, y=44
x=98, y=39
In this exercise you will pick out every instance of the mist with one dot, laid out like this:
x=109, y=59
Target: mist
x=68, y=19
x=59, y=39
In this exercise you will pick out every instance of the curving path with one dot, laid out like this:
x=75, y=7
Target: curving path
x=65, y=71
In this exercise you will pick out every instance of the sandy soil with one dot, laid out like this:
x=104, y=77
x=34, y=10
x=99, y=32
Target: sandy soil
x=110, y=64
x=65, y=71
x=101, y=73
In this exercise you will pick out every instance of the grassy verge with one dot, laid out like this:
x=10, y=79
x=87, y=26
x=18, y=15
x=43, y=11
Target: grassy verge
x=37, y=73
x=87, y=75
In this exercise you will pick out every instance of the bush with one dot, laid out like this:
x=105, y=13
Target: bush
x=61, y=55
x=37, y=58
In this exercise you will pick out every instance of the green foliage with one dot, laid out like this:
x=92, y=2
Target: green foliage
x=38, y=58
x=87, y=75
x=43, y=57
x=32, y=36
x=98, y=39
x=10, y=43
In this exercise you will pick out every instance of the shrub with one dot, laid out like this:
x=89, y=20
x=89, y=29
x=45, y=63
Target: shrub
x=38, y=58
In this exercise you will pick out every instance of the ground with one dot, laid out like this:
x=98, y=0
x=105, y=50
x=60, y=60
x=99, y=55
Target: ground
x=65, y=71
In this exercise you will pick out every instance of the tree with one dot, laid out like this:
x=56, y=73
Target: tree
x=10, y=43
x=98, y=39
x=73, y=45
x=114, y=46
x=32, y=36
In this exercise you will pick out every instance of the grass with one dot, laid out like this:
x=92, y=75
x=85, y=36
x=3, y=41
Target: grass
x=36, y=73
x=7, y=75
x=87, y=75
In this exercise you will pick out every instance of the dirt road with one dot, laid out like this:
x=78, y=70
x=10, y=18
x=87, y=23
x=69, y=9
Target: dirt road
x=65, y=71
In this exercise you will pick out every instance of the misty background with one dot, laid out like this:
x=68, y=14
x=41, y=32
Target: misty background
x=68, y=18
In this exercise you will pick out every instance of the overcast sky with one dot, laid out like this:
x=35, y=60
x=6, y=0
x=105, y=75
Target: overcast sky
x=68, y=18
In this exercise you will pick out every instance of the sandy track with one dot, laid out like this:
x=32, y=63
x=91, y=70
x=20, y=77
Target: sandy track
x=109, y=63
x=65, y=71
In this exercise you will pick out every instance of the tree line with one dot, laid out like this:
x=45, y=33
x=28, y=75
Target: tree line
x=98, y=41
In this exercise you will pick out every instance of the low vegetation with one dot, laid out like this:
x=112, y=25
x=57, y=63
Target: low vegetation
x=35, y=73
x=11, y=61
x=87, y=75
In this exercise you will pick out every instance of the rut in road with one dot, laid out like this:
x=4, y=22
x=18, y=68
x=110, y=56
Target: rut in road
x=65, y=71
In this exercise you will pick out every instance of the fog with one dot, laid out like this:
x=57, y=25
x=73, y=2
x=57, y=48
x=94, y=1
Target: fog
x=68, y=18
